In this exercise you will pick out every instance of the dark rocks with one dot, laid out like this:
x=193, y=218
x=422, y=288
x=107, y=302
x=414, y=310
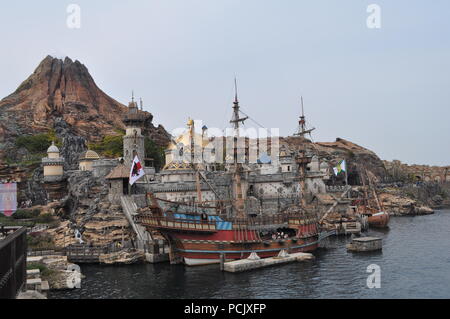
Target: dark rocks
x=35, y=191
x=72, y=144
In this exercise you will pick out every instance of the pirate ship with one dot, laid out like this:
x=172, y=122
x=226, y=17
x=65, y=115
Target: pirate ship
x=205, y=232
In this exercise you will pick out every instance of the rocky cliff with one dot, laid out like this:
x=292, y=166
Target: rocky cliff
x=333, y=152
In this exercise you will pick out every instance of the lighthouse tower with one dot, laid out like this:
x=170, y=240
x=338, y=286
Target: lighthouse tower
x=133, y=141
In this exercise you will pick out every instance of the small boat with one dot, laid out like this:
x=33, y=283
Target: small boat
x=376, y=217
x=379, y=220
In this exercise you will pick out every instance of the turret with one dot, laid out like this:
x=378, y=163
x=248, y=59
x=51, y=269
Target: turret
x=133, y=141
x=53, y=164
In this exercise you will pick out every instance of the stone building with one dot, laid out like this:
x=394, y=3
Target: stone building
x=401, y=171
x=118, y=180
x=133, y=141
x=103, y=167
x=192, y=147
x=53, y=165
x=87, y=160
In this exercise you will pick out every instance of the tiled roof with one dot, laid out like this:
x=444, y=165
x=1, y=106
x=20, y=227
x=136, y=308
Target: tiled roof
x=119, y=172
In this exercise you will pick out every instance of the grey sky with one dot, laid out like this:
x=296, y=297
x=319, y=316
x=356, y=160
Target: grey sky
x=386, y=89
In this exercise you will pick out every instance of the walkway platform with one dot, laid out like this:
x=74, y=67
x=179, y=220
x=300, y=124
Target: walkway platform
x=363, y=244
x=250, y=264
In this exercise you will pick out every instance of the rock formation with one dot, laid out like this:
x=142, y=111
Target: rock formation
x=333, y=152
x=87, y=208
x=60, y=97
x=64, y=91
x=72, y=144
x=397, y=204
x=124, y=257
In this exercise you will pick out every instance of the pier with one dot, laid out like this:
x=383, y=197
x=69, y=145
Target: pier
x=254, y=263
x=365, y=244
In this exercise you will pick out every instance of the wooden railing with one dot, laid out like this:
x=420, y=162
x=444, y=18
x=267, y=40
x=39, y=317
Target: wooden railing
x=260, y=221
x=13, y=260
x=169, y=222
x=84, y=254
x=176, y=223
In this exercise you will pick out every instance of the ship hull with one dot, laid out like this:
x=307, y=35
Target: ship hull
x=379, y=220
x=202, y=250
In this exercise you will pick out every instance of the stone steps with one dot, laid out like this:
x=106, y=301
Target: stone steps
x=34, y=284
x=33, y=273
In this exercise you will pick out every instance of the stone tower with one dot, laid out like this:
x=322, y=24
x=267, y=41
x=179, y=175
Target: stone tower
x=53, y=165
x=133, y=141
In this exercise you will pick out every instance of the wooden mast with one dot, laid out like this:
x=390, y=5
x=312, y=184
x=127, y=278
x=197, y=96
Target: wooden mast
x=302, y=129
x=302, y=160
x=237, y=182
x=193, y=164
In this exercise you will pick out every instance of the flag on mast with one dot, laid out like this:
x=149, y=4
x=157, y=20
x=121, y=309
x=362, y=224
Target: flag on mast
x=341, y=167
x=137, y=171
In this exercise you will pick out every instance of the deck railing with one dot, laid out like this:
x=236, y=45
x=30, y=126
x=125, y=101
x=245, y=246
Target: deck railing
x=176, y=223
x=170, y=222
x=13, y=260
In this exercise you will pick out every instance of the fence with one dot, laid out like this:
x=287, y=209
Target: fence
x=78, y=253
x=13, y=259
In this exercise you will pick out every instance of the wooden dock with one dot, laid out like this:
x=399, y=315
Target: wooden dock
x=363, y=244
x=250, y=264
x=84, y=254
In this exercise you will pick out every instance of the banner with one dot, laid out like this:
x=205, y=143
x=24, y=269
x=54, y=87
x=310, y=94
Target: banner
x=341, y=167
x=137, y=171
x=8, y=198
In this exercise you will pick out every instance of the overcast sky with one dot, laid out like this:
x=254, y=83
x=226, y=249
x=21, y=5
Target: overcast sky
x=386, y=89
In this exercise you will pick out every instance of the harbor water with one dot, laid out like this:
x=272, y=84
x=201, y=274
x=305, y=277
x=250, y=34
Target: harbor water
x=414, y=263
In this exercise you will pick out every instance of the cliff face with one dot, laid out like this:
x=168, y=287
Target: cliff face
x=64, y=89
x=333, y=152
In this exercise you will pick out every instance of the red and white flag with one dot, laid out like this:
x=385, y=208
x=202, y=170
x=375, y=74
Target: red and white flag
x=137, y=171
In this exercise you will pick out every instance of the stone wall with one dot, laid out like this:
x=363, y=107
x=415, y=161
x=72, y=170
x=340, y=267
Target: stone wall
x=402, y=172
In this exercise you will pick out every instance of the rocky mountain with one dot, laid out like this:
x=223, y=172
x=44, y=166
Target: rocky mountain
x=63, y=90
x=333, y=152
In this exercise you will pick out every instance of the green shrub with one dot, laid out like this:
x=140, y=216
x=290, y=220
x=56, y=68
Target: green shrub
x=110, y=146
x=155, y=152
x=45, y=219
x=26, y=214
x=45, y=272
x=37, y=143
x=40, y=241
